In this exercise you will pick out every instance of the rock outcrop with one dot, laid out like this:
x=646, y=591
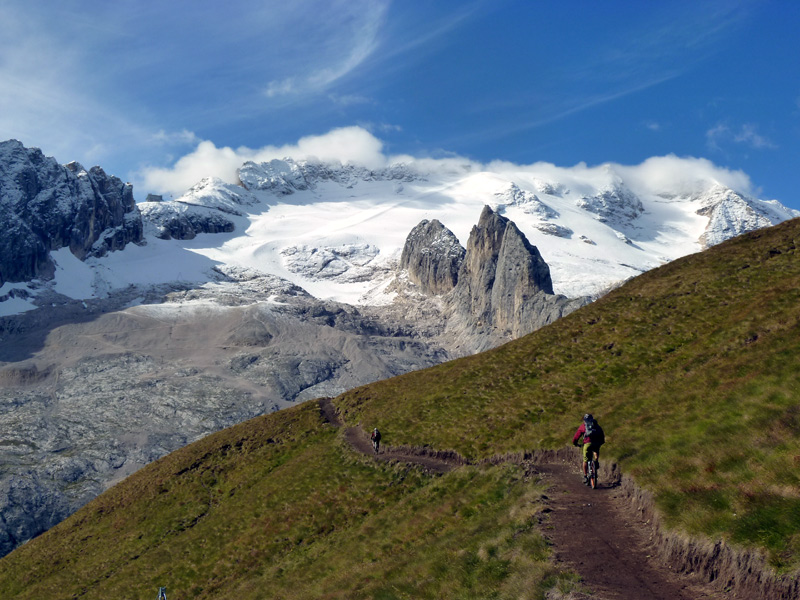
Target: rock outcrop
x=496, y=289
x=207, y=207
x=730, y=214
x=527, y=201
x=105, y=395
x=432, y=255
x=46, y=206
x=614, y=204
x=504, y=289
x=179, y=221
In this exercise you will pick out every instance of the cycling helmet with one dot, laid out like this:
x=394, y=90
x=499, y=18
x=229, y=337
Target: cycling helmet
x=588, y=417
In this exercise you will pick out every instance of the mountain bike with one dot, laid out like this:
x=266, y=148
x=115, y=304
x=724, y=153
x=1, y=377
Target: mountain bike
x=591, y=471
x=375, y=445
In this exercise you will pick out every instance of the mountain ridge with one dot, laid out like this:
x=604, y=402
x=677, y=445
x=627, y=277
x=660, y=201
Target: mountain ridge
x=595, y=228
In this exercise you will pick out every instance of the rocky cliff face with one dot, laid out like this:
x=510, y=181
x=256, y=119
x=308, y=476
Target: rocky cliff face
x=46, y=206
x=504, y=288
x=614, y=204
x=89, y=395
x=496, y=289
x=432, y=256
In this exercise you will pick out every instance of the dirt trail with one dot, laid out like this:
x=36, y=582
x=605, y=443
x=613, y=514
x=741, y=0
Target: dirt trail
x=593, y=532
x=435, y=462
x=597, y=534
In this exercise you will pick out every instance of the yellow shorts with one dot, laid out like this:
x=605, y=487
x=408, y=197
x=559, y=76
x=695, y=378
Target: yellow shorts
x=588, y=449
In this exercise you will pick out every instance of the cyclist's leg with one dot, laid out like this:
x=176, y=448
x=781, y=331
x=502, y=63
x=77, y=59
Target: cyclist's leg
x=585, y=455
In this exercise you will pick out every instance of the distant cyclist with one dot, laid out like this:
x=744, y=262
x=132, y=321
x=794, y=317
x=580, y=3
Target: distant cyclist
x=376, y=439
x=593, y=438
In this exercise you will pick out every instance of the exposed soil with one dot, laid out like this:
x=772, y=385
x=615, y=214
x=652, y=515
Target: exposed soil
x=608, y=535
x=430, y=460
x=599, y=537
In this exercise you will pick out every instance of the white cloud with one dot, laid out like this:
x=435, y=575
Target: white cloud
x=345, y=145
x=681, y=175
x=747, y=134
x=281, y=88
x=356, y=145
x=655, y=175
x=175, y=137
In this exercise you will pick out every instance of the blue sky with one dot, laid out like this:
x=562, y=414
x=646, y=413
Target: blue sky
x=160, y=92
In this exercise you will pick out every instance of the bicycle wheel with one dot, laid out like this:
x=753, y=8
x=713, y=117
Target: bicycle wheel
x=593, y=472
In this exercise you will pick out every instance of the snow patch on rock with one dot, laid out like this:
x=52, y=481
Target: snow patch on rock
x=730, y=214
x=614, y=204
x=527, y=201
x=345, y=263
x=212, y=192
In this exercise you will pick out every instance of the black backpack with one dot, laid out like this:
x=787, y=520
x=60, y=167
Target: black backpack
x=594, y=432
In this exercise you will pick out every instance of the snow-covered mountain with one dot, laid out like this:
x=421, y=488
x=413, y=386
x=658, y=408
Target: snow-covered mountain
x=337, y=231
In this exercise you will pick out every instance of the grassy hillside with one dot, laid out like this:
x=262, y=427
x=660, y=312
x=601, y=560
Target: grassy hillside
x=692, y=369
x=281, y=507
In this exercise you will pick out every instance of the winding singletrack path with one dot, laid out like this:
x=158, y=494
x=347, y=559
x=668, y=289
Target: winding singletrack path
x=593, y=532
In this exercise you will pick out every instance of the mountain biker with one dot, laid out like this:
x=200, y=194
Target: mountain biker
x=593, y=438
x=376, y=439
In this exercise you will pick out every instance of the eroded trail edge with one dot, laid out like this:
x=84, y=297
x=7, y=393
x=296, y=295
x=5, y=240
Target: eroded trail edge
x=612, y=536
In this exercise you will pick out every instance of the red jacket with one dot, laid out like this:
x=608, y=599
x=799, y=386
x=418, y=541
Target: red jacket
x=582, y=432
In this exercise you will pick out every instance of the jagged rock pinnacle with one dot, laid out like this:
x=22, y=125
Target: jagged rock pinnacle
x=432, y=256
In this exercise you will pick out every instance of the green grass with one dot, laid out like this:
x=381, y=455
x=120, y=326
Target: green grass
x=693, y=370
x=281, y=507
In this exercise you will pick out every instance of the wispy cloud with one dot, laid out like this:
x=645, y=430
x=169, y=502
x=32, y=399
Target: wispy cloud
x=46, y=100
x=353, y=38
x=747, y=134
x=59, y=90
x=610, y=68
x=350, y=99
x=183, y=137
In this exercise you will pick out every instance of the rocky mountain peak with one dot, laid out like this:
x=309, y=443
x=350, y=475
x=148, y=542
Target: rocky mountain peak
x=504, y=286
x=731, y=213
x=46, y=206
x=529, y=202
x=432, y=255
x=614, y=203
